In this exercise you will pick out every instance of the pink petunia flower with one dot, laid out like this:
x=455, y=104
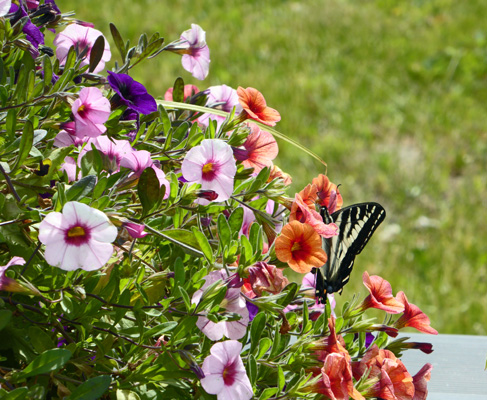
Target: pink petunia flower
x=225, y=373
x=69, y=165
x=138, y=161
x=91, y=110
x=5, y=7
x=196, y=57
x=223, y=98
x=233, y=302
x=113, y=149
x=212, y=165
x=79, y=237
x=380, y=296
x=135, y=230
x=81, y=37
x=413, y=317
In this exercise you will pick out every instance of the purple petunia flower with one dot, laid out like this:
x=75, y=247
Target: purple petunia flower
x=131, y=93
x=32, y=32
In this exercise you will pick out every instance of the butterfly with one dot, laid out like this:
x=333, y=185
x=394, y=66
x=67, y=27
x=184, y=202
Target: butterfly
x=356, y=224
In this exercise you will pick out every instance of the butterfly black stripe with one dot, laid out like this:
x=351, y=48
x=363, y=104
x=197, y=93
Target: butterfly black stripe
x=356, y=224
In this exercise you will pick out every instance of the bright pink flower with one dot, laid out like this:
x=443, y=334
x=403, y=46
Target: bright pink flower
x=260, y=148
x=91, y=110
x=223, y=98
x=138, y=161
x=189, y=90
x=135, y=230
x=81, y=37
x=380, y=295
x=263, y=276
x=196, y=57
x=79, y=237
x=225, y=374
x=413, y=317
x=5, y=7
x=233, y=302
x=212, y=165
x=65, y=139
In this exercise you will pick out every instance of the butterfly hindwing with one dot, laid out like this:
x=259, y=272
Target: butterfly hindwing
x=356, y=224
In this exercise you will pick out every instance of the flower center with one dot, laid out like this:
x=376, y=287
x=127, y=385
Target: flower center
x=229, y=374
x=82, y=110
x=209, y=171
x=296, y=247
x=77, y=235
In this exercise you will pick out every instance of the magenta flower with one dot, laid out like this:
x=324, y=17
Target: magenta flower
x=223, y=98
x=131, y=93
x=233, y=302
x=79, y=237
x=225, y=373
x=81, y=37
x=135, y=230
x=212, y=165
x=196, y=55
x=91, y=110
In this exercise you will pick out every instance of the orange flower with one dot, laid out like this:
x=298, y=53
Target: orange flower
x=393, y=380
x=302, y=213
x=299, y=246
x=337, y=383
x=380, y=295
x=328, y=193
x=309, y=195
x=331, y=344
x=260, y=148
x=277, y=172
x=255, y=107
x=413, y=317
x=420, y=382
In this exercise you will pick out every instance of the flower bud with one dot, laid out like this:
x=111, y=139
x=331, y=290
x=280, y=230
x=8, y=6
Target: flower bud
x=265, y=277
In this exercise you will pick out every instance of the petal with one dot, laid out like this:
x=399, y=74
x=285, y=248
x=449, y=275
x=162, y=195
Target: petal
x=51, y=228
x=94, y=255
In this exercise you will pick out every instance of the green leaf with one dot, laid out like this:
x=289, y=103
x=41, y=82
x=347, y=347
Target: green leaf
x=268, y=393
x=127, y=395
x=224, y=232
x=235, y=221
x=117, y=38
x=160, y=329
x=91, y=389
x=40, y=340
x=148, y=189
x=26, y=141
x=11, y=123
x=178, y=90
x=17, y=394
x=281, y=380
x=203, y=244
x=47, y=68
x=264, y=346
x=81, y=188
x=50, y=360
x=253, y=369
x=256, y=330
x=182, y=238
x=5, y=316
x=96, y=53
x=186, y=299
x=100, y=187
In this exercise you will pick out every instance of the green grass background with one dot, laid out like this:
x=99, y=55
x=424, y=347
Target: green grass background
x=392, y=95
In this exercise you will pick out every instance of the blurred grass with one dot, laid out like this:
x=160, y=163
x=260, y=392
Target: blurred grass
x=392, y=95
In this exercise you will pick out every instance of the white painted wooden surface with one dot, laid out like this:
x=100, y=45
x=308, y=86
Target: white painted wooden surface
x=458, y=365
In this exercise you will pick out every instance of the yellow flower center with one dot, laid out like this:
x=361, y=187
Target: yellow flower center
x=207, y=168
x=76, y=231
x=81, y=109
x=296, y=246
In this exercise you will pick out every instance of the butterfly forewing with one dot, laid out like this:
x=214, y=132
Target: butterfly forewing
x=356, y=224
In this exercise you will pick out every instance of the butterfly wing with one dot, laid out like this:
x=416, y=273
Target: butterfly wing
x=356, y=224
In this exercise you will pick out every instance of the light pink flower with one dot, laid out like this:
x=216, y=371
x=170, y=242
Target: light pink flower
x=138, y=161
x=81, y=37
x=113, y=149
x=233, y=302
x=69, y=165
x=91, y=110
x=79, y=237
x=223, y=98
x=5, y=7
x=65, y=139
x=225, y=373
x=189, y=90
x=197, y=54
x=212, y=165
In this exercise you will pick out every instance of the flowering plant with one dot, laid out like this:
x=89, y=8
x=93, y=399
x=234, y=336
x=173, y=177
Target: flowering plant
x=145, y=241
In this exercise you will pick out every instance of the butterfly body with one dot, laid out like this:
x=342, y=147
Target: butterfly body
x=356, y=224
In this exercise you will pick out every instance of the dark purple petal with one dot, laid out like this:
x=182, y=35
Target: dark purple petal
x=253, y=310
x=132, y=93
